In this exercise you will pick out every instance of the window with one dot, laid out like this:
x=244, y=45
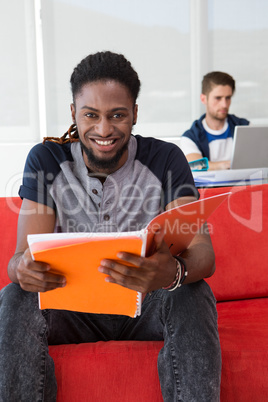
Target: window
x=238, y=43
x=154, y=35
x=169, y=48
x=19, y=120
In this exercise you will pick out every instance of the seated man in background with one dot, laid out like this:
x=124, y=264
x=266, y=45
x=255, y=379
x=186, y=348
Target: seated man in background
x=212, y=135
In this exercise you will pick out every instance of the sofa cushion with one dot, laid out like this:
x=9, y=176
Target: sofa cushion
x=243, y=329
x=113, y=371
x=239, y=232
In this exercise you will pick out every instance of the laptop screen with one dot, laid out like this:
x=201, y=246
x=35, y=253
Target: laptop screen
x=250, y=147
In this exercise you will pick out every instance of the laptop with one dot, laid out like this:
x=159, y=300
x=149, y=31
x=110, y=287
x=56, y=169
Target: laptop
x=250, y=147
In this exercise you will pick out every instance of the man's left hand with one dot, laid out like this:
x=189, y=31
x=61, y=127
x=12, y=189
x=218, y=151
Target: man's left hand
x=143, y=274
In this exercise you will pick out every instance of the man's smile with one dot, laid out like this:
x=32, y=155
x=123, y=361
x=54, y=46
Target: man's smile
x=104, y=142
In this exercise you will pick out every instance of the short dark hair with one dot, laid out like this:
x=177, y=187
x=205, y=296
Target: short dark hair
x=103, y=66
x=216, y=78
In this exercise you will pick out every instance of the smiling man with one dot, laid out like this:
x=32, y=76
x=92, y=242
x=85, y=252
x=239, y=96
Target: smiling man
x=99, y=177
x=212, y=135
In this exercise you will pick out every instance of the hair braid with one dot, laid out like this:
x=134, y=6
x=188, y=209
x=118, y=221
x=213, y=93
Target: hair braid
x=72, y=134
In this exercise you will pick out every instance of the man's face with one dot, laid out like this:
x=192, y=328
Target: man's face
x=104, y=115
x=218, y=101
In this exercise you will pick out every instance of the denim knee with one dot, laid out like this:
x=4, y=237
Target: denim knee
x=19, y=311
x=190, y=302
x=15, y=301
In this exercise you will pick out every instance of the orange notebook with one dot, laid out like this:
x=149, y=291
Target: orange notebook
x=78, y=255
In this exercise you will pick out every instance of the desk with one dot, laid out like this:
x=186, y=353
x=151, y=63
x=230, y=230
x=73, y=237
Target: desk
x=231, y=177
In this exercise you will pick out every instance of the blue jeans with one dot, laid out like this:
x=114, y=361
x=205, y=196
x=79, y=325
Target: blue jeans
x=189, y=364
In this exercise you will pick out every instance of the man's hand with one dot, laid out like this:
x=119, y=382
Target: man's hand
x=34, y=276
x=147, y=274
x=221, y=165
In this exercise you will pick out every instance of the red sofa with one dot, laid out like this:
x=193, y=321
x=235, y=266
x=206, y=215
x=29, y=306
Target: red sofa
x=127, y=371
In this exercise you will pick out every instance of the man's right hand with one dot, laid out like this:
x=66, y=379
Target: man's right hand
x=221, y=165
x=34, y=276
